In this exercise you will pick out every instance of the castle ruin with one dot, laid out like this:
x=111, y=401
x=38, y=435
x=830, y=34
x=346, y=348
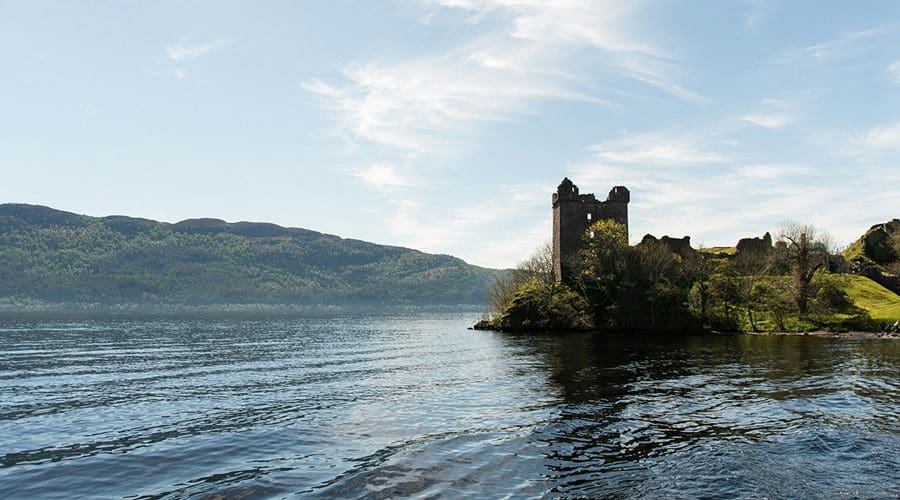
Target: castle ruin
x=573, y=214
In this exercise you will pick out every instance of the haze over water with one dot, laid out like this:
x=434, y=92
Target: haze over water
x=416, y=404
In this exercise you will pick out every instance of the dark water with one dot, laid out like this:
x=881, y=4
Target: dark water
x=418, y=405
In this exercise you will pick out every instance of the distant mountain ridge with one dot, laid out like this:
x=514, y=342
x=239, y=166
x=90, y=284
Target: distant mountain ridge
x=60, y=257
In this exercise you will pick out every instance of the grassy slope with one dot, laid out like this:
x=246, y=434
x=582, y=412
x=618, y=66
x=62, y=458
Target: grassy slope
x=856, y=253
x=878, y=301
x=718, y=250
x=872, y=304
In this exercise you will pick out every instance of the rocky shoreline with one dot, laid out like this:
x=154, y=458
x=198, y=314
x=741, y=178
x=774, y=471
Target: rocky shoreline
x=853, y=335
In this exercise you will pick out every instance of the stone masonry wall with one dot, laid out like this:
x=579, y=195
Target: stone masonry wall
x=573, y=214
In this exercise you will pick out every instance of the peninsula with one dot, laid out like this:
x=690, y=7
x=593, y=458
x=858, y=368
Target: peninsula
x=590, y=278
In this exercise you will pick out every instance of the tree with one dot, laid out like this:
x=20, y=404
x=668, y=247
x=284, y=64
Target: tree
x=539, y=306
x=602, y=269
x=539, y=266
x=698, y=268
x=807, y=250
x=501, y=293
x=776, y=300
x=751, y=266
x=656, y=268
x=724, y=296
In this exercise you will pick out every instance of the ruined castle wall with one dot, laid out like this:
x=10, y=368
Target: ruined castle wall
x=573, y=214
x=570, y=223
x=612, y=210
x=754, y=245
x=557, y=245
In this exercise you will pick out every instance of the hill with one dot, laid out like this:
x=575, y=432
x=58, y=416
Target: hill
x=877, y=301
x=59, y=257
x=880, y=245
x=876, y=255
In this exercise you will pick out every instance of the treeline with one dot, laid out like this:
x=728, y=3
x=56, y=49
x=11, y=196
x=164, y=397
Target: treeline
x=656, y=285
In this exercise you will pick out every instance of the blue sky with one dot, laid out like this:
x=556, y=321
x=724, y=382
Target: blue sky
x=445, y=125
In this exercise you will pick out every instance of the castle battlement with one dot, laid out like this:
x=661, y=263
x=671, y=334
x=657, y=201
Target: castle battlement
x=573, y=214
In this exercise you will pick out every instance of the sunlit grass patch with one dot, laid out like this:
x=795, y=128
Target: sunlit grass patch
x=718, y=250
x=878, y=301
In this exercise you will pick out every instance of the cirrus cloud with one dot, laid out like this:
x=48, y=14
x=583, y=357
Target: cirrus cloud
x=182, y=51
x=526, y=52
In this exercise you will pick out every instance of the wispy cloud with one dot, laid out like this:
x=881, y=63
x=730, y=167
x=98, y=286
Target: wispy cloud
x=773, y=114
x=768, y=120
x=424, y=105
x=714, y=206
x=517, y=206
x=658, y=148
x=887, y=136
x=607, y=26
x=757, y=10
x=528, y=51
x=846, y=44
x=684, y=184
x=894, y=69
x=382, y=176
x=602, y=24
x=183, y=51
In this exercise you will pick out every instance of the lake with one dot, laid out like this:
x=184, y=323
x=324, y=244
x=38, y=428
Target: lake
x=417, y=405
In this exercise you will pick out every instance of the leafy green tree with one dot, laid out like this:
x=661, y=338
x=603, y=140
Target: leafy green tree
x=539, y=306
x=776, y=300
x=750, y=267
x=725, y=297
x=660, y=283
x=605, y=260
x=698, y=268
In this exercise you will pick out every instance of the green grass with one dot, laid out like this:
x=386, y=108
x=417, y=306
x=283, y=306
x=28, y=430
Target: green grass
x=872, y=304
x=856, y=253
x=718, y=250
x=881, y=303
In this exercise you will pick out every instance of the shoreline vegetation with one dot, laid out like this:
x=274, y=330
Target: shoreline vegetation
x=794, y=285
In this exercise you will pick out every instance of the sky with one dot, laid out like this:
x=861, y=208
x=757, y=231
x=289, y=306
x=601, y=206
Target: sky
x=446, y=125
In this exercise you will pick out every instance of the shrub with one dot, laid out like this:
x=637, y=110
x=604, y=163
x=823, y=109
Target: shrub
x=539, y=306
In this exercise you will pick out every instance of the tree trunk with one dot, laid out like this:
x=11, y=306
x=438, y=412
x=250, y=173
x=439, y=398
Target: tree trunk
x=801, y=275
x=750, y=316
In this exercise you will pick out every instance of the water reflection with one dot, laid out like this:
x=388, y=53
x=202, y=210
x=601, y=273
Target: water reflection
x=721, y=415
x=388, y=405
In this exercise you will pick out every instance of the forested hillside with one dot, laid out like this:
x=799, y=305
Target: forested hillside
x=59, y=257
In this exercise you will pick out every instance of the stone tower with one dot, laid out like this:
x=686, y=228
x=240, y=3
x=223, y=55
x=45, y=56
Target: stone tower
x=573, y=213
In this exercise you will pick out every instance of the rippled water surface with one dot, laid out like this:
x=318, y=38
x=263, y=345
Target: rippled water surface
x=416, y=404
